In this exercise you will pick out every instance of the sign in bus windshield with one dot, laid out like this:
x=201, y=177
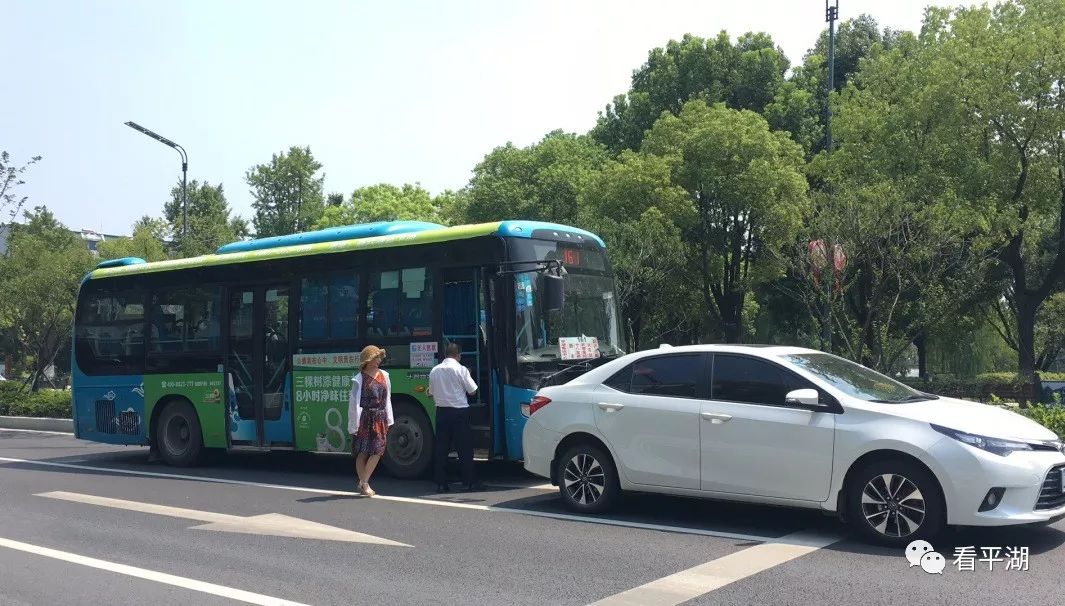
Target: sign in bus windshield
x=576, y=258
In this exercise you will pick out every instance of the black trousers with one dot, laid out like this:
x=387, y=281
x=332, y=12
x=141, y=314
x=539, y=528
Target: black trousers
x=453, y=425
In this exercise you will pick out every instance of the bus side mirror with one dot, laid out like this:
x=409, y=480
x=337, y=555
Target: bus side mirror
x=554, y=292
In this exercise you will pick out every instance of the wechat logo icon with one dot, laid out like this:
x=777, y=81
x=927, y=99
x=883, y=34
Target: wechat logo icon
x=921, y=553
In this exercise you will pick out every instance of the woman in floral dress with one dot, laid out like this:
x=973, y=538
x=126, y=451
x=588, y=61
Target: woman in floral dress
x=369, y=415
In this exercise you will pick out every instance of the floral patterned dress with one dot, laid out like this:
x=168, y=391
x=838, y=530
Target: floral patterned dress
x=373, y=421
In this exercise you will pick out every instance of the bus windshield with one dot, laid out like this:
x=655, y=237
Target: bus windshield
x=590, y=309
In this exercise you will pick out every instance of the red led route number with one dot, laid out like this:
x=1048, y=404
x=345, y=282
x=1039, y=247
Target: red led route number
x=571, y=257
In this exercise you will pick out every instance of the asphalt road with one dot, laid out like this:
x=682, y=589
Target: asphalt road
x=84, y=523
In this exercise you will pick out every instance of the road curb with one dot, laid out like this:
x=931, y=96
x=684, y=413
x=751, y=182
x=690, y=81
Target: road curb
x=37, y=424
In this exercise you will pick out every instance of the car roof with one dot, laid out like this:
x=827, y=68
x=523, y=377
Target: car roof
x=604, y=372
x=759, y=350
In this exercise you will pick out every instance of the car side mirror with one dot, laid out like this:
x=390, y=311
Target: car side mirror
x=554, y=292
x=806, y=398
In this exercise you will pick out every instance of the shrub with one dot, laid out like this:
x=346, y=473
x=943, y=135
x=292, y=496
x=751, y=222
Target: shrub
x=20, y=402
x=1051, y=417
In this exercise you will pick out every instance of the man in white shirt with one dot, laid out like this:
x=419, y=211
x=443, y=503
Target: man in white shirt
x=449, y=385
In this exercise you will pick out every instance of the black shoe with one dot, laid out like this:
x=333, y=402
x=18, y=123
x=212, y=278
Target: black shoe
x=475, y=487
x=443, y=487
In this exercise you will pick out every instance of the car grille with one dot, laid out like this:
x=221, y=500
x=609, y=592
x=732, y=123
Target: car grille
x=1052, y=494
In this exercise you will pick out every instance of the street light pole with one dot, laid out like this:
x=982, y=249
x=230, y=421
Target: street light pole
x=829, y=273
x=184, y=172
x=831, y=15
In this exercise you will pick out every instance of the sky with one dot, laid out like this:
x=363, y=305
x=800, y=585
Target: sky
x=398, y=92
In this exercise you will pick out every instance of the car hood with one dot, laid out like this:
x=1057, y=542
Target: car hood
x=973, y=417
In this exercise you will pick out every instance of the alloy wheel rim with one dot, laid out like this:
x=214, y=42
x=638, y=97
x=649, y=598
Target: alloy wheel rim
x=893, y=505
x=584, y=479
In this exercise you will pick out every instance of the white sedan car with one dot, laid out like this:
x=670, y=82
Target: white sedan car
x=795, y=427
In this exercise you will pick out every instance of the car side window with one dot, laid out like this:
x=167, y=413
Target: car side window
x=673, y=376
x=744, y=379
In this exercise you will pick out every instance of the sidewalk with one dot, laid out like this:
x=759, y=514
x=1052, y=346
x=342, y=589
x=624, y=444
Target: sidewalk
x=37, y=424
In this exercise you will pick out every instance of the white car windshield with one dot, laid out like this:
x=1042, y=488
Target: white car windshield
x=856, y=380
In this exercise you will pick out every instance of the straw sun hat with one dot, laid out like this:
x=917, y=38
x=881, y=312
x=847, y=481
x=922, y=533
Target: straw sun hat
x=369, y=354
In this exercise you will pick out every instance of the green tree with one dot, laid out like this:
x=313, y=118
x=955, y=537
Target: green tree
x=744, y=75
x=39, y=277
x=453, y=206
x=287, y=192
x=1049, y=334
x=799, y=104
x=382, y=202
x=631, y=203
x=894, y=204
x=146, y=242
x=1001, y=71
x=10, y=179
x=539, y=182
x=856, y=39
x=211, y=223
x=746, y=198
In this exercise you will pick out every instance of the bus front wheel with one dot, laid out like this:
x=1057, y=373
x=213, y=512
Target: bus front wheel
x=177, y=432
x=409, y=451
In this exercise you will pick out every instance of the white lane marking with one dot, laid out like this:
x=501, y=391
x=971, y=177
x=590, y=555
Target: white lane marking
x=150, y=575
x=51, y=433
x=704, y=578
x=416, y=501
x=275, y=524
x=522, y=486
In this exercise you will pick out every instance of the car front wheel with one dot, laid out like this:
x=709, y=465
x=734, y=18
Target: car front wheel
x=587, y=479
x=894, y=502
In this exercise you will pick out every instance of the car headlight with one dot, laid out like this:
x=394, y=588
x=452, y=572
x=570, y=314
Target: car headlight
x=999, y=446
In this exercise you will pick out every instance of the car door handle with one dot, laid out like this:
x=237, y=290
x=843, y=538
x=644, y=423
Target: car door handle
x=716, y=419
x=610, y=407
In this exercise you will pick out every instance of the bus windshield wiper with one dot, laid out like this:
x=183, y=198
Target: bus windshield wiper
x=575, y=366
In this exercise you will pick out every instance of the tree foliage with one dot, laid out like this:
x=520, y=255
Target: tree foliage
x=210, y=220
x=746, y=199
x=287, y=192
x=744, y=75
x=1001, y=71
x=39, y=277
x=145, y=243
x=382, y=202
x=540, y=182
x=10, y=179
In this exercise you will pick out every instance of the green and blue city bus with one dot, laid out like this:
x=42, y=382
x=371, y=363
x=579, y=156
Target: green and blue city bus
x=255, y=346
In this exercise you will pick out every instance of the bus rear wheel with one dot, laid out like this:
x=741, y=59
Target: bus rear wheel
x=409, y=451
x=178, y=435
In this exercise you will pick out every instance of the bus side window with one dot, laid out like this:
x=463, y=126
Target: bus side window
x=110, y=333
x=329, y=307
x=186, y=320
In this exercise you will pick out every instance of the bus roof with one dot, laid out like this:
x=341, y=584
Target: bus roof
x=367, y=236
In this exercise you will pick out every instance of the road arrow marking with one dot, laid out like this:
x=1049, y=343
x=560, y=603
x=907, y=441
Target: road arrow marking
x=274, y=524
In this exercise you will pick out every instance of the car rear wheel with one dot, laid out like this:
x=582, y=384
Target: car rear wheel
x=587, y=479
x=894, y=502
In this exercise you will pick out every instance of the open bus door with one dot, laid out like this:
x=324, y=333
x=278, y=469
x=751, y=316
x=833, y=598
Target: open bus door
x=465, y=321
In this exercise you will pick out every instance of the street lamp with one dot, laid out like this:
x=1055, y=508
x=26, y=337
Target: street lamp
x=184, y=172
x=831, y=15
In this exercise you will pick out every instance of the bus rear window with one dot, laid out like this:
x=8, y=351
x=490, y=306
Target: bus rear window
x=110, y=333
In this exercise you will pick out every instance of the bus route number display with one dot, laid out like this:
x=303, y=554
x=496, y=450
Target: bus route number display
x=571, y=257
x=578, y=348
